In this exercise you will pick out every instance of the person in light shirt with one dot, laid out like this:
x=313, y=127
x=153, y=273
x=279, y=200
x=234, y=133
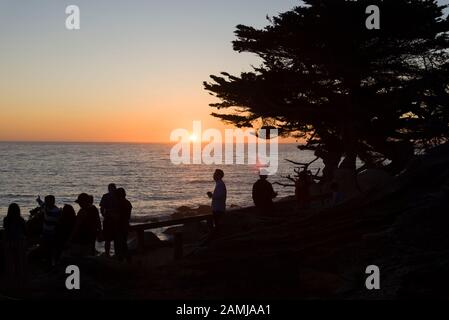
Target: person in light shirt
x=218, y=197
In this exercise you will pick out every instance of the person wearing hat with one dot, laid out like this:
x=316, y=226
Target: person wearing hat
x=263, y=194
x=87, y=225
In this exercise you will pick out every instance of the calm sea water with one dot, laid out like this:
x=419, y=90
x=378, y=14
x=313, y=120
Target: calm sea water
x=154, y=185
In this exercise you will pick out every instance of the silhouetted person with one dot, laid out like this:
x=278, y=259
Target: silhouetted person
x=34, y=225
x=124, y=215
x=302, y=189
x=65, y=227
x=109, y=212
x=263, y=195
x=98, y=220
x=14, y=247
x=218, y=197
x=51, y=217
x=87, y=226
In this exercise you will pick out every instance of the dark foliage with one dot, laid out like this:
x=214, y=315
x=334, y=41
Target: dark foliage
x=343, y=89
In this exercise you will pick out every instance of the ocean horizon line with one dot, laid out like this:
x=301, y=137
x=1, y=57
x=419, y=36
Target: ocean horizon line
x=107, y=142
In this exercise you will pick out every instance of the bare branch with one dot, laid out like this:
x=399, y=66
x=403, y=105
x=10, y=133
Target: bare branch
x=284, y=185
x=296, y=163
x=303, y=164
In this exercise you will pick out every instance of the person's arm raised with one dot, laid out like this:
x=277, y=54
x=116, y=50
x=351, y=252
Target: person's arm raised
x=39, y=201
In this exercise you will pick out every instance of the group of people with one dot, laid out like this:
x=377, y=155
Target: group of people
x=63, y=229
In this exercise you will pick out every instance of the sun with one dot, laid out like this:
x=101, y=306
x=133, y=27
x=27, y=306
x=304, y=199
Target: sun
x=193, y=138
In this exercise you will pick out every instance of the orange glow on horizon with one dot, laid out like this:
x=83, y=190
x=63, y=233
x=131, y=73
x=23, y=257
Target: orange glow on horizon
x=135, y=123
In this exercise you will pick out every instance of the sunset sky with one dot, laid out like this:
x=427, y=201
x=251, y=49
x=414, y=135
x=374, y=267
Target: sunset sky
x=133, y=72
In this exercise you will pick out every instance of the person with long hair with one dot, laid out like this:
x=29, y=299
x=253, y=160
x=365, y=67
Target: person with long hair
x=64, y=228
x=14, y=245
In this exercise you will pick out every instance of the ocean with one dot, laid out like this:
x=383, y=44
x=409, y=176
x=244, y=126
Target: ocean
x=154, y=185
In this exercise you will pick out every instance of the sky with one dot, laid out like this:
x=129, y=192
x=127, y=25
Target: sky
x=132, y=73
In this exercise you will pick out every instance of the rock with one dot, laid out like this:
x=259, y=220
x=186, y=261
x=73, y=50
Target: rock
x=202, y=209
x=177, y=215
x=191, y=231
x=191, y=213
x=183, y=209
x=151, y=241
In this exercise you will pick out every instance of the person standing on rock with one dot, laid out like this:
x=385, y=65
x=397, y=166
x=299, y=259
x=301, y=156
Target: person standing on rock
x=218, y=197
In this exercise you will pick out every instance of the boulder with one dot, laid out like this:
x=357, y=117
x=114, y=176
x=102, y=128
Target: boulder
x=151, y=241
x=191, y=231
x=202, y=209
x=183, y=209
